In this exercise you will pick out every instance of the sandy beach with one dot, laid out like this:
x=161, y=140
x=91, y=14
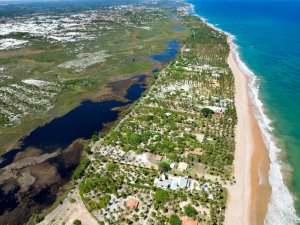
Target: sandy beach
x=249, y=197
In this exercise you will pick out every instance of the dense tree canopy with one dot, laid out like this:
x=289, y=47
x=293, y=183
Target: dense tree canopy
x=174, y=220
x=190, y=211
x=161, y=196
x=164, y=166
x=206, y=112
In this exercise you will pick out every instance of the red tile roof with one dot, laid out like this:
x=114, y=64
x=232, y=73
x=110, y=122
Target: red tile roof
x=132, y=203
x=188, y=221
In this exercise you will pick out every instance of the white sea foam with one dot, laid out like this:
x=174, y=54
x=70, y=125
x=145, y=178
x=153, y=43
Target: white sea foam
x=281, y=209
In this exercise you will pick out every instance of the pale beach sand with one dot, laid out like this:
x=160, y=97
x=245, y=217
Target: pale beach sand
x=249, y=197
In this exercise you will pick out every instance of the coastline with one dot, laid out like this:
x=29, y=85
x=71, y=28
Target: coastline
x=271, y=201
x=259, y=193
x=250, y=196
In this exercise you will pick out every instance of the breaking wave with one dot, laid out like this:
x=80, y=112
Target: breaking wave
x=281, y=209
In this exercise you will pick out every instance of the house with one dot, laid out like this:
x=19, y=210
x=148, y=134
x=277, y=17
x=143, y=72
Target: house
x=188, y=221
x=182, y=166
x=215, y=75
x=217, y=114
x=164, y=184
x=171, y=182
x=158, y=158
x=197, y=151
x=206, y=66
x=172, y=165
x=225, y=102
x=215, y=108
x=200, y=137
x=178, y=182
x=215, y=82
x=132, y=203
x=183, y=182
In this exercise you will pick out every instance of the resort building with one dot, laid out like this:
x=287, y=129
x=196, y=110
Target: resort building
x=188, y=221
x=216, y=108
x=172, y=165
x=132, y=203
x=182, y=166
x=172, y=182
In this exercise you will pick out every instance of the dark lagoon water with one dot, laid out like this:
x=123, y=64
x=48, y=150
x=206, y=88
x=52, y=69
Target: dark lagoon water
x=169, y=54
x=179, y=28
x=82, y=122
x=87, y=119
x=155, y=70
x=17, y=204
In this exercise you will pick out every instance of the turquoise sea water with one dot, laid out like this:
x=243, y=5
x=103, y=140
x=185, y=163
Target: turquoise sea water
x=268, y=35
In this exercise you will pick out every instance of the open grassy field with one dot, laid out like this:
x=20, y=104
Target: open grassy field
x=59, y=67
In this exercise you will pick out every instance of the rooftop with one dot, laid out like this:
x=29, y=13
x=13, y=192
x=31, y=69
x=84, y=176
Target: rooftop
x=132, y=203
x=188, y=221
x=182, y=166
x=172, y=182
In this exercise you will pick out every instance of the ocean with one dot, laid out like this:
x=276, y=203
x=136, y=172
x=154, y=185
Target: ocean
x=267, y=33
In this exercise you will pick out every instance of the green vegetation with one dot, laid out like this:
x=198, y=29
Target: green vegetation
x=174, y=220
x=161, y=197
x=72, y=200
x=100, y=182
x=187, y=119
x=77, y=222
x=207, y=112
x=164, y=166
x=37, y=218
x=111, y=167
x=145, y=35
x=79, y=171
x=95, y=138
x=102, y=203
x=88, y=150
x=190, y=211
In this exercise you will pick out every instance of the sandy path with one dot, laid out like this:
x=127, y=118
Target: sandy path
x=251, y=160
x=68, y=212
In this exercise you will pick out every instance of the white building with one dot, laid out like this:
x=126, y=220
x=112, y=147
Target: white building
x=172, y=182
x=182, y=166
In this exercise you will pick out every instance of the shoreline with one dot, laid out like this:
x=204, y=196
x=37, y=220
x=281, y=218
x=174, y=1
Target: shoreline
x=266, y=178
x=251, y=164
x=250, y=196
